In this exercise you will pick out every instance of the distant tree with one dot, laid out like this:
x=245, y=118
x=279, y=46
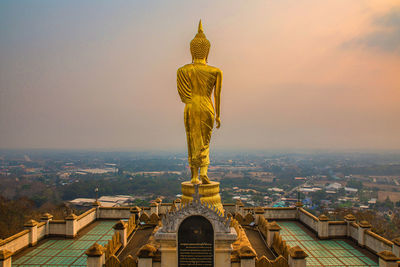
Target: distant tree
x=388, y=203
x=14, y=213
x=354, y=184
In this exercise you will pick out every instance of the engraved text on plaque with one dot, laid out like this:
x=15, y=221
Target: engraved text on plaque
x=195, y=242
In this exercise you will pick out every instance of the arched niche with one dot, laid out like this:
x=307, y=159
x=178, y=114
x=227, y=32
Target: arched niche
x=195, y=242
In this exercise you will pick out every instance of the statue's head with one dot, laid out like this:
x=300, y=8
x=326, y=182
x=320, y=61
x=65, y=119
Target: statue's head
x=200, y=46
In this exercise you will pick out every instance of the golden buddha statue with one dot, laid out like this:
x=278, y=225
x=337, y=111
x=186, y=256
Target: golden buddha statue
x=196, y=83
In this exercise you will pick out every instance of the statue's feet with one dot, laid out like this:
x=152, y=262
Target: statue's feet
x=195, y=175
x=195, y=180
x=204, y=179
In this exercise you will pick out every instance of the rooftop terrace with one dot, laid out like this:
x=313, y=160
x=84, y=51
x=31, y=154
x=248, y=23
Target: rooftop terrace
x=269, y=237
x=325, y=252
x=66, y=252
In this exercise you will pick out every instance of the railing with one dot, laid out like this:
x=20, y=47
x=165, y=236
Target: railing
x=353, y=229
x=280, y=246
x=41, y=230
x=83, y=215
x=86, y=218
x=242, y=246
x=127, y=262
x=263, y=226
x=114, y=244
x=376, y=242
x=16, y=242
x=280, y=213
x=308, y=214
x=337, y=229
x=308, y=219
x=114, y=213
x=131, y=225
x=265, y=262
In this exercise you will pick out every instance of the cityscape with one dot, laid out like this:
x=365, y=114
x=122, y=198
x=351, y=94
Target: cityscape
x=330, y=183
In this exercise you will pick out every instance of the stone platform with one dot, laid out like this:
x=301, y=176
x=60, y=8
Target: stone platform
x=209, y=193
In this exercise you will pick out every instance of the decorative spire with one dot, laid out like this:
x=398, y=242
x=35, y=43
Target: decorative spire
x=196, y=195
x=200, y=27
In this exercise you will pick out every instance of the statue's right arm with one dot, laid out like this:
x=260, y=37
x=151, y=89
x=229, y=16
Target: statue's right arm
x=217, y=98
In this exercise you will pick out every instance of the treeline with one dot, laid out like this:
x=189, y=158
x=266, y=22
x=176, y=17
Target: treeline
x=51, y=189
x=245, y=182
x=153, y=165
x=384, y=169
x=22, y=199
x=166, y=185
x=14, y=213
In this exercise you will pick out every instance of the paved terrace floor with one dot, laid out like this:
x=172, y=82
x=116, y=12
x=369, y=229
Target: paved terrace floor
x=66, y=252
x=332, y=252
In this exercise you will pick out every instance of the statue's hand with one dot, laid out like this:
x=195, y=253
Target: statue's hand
x=218, y=121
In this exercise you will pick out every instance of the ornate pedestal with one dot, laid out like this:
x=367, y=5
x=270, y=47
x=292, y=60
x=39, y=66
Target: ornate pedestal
x=209, y=194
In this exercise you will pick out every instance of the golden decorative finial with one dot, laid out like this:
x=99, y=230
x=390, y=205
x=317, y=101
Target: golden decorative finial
x=200, y=27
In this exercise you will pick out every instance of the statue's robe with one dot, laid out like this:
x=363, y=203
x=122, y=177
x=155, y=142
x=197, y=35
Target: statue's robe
x=195, y=84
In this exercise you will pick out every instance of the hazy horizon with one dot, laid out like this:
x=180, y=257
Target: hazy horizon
x=101, y=75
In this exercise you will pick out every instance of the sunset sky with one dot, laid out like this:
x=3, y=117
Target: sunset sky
x=306, y=74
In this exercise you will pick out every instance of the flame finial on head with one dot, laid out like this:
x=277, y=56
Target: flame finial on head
x=200, y=27
x=200, y=46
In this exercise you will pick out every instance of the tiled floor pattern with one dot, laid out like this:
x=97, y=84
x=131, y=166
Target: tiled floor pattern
x=324, y=252
x=66, y=252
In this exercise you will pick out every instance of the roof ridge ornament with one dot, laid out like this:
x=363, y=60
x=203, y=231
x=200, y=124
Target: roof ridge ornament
x=196, y=195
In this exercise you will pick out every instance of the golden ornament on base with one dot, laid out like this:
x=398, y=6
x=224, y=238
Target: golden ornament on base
x=209, y=194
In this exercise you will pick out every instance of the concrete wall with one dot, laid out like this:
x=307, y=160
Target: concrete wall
x=114, y=213
x=41, y=230
x=16, y=242
x=280, y=213
x=354, y=231
x=57, y=227
x=337, y=229
x=86, y=218
x=376, y=243
x=308, y=219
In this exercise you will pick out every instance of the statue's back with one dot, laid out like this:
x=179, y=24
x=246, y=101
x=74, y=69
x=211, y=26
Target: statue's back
x=196, y=80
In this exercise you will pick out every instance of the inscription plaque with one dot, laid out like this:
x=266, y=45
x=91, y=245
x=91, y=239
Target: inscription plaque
x=195, y=242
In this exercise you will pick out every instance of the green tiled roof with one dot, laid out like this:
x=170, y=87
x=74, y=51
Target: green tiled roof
x=324, y=252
